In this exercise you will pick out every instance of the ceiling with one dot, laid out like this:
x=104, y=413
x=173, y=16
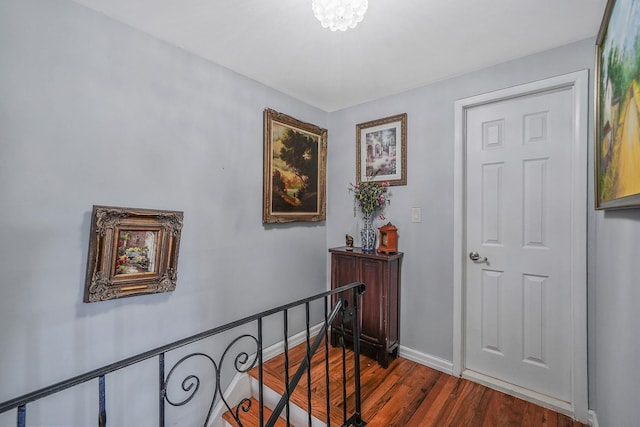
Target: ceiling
x=400, y=45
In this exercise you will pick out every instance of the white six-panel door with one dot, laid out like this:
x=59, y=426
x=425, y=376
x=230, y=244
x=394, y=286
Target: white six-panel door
x=518, y=301
x=520, y=293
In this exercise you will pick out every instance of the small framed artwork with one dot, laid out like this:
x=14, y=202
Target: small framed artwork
x=381, y=150
x=617, y=151
x=295, y=155
x=132, y=252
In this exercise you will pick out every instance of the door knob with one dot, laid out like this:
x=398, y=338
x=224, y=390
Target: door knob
x=475, y=257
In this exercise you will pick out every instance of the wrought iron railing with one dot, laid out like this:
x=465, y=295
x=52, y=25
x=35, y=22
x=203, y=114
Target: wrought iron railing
x=337, y=312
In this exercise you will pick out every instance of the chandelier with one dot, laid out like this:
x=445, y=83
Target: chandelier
x=339, y=14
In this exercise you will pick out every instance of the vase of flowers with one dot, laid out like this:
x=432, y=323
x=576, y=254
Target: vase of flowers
x=371, y=198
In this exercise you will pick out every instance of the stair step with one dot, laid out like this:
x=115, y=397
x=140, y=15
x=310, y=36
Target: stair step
x=252, y=418
x=275, y=372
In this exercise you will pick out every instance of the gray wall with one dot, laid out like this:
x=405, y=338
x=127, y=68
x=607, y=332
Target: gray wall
x=94, y=112
x=427, y=293
x=427, y=290
x=615, y=324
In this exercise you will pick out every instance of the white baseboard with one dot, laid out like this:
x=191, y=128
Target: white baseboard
x=428, y=360
x=297, y=416
x=522, y=393
x=278, y=348
x=446, y=366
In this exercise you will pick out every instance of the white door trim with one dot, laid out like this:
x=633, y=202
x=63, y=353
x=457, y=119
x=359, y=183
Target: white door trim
x=578, y=82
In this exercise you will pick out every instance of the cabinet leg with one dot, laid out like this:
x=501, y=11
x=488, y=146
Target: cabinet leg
x=383, y=359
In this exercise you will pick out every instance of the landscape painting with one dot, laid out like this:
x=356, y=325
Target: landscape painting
x=618, y=107
x=294, y=170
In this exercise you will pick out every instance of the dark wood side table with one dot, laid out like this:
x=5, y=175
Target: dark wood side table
x=379, y=305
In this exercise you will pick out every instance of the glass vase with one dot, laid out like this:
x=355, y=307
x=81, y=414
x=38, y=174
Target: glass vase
x=368, y=234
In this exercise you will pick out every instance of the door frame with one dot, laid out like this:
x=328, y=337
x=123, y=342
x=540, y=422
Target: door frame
x=578, y=83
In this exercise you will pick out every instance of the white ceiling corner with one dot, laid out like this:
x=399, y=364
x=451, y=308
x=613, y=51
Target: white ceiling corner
x=400, y=45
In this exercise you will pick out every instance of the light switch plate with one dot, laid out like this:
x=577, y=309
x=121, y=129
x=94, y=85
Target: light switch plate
x=416, y=214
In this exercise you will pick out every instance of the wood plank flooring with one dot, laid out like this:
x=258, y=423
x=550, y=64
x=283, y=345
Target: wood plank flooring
x=252, y=417
x=406, y=394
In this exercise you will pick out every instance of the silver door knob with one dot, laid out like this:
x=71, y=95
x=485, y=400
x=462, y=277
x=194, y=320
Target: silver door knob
x=475, y=257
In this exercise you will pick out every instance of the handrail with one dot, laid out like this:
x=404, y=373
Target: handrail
x=21, y=401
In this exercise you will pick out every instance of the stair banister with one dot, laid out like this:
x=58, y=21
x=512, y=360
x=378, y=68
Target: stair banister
x=304, y=366
x=20, y=403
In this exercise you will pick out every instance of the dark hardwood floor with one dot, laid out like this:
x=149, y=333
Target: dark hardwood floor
x=408, y=394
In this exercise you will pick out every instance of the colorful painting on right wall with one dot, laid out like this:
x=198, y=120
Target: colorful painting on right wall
x=618, y=107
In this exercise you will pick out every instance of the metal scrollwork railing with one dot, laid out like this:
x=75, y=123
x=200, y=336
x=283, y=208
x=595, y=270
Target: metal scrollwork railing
x=178, y=388
x=191, y=383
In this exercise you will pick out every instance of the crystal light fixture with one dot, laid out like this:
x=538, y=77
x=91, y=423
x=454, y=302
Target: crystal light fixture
x=339, y=14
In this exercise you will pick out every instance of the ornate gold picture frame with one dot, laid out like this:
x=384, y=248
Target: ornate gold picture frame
x=295, y=156
x=132, y=252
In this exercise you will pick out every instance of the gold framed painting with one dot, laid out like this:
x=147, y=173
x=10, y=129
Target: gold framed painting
x=295, y=155
x=381, y=150
x=617, y=86
x=132, y=252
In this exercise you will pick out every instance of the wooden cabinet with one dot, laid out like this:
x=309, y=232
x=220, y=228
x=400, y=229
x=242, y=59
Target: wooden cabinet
x=379, y=305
